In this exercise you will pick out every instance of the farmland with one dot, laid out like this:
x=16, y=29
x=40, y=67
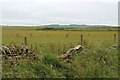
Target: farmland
x=99, y=60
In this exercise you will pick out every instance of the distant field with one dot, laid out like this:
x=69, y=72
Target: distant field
x=52, y=43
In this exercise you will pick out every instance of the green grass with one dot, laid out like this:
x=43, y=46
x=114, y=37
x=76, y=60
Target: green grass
x=95, y=62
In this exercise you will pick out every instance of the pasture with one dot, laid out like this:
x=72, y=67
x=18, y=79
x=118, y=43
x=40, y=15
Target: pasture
x=99, y=60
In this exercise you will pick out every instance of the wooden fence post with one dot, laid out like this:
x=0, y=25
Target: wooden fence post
x=31, y=47
x=114, y=39
x=119, y=39
x=81, y=39
x=25, y=41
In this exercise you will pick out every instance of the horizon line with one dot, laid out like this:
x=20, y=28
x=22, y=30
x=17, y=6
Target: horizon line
x=61, y=24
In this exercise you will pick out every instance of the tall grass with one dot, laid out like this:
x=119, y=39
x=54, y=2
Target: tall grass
x=95, y=62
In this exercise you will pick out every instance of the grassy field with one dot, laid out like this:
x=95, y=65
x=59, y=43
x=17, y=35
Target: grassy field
x=96, y=62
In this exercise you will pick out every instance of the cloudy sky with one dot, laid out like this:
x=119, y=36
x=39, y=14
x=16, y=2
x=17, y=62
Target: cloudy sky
x=39, y=12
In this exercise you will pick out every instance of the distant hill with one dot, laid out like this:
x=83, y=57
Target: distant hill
x=67, y=25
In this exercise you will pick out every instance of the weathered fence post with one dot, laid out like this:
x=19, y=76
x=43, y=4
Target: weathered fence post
x=31, y=47
x=119, y=39
x=25, y=41
x=114, y=39
x=81, y=39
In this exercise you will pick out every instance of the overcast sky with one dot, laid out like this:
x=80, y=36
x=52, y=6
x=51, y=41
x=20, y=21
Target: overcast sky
x=38, y=12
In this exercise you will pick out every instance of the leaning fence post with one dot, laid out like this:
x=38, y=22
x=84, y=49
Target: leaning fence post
x=81, y=39
x=25, y=41
x=114, y=39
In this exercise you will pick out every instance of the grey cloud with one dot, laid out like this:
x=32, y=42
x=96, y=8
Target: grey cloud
x=32, y=12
